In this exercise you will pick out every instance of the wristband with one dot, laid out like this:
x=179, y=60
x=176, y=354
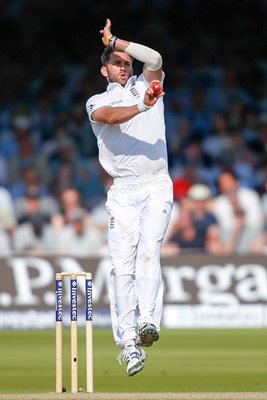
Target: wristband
x=142, y=107
x=112, y=41
x=107, y=40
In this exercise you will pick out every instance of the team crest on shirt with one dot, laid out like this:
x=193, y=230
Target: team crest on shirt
x=135, y=92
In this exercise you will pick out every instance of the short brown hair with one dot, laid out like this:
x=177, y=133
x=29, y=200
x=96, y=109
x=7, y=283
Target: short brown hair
x=105, y=56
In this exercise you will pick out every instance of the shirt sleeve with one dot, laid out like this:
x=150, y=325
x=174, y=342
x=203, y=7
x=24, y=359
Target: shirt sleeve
x=94, y=103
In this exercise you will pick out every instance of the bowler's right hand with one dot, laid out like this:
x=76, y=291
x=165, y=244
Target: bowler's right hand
x=150, y=96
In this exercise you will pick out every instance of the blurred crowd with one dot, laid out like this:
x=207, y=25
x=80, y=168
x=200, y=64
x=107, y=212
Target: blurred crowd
x=52, y=188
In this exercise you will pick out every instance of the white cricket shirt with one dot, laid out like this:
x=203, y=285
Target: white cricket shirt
x=134, y=148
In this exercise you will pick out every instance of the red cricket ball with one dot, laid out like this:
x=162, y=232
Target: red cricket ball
x=156, y=86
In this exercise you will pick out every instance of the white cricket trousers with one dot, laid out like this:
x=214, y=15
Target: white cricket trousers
x=139, y=210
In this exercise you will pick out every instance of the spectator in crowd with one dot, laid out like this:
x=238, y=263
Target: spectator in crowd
x=184, y=235
x=205, y=222
x=29, y=236
x=219, y=143
x=260, y=245
x=64, y=166
x=28, y=155
x=7, y=212
x=33, y=213
x=239, y=213
x=5, y=244
x=244, y=158
x=34, y=203
x=20, y=127
x=51, y=147
x=7, y=222
x=196, y=227
x=28, y=177
x=81, y=238
x=183, y=180
x=70, y=200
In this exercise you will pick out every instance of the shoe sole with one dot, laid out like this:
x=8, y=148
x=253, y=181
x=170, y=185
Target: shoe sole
x=137, y=368
x=148, y=337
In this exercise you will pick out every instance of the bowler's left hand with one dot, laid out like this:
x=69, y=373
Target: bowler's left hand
x=106, y=32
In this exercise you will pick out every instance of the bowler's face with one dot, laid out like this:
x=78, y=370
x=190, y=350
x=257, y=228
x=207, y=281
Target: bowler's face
x=119, y=68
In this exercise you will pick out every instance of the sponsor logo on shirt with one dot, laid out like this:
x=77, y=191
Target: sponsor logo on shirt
x=135, y=92
x=116, y=102
x=111, y=223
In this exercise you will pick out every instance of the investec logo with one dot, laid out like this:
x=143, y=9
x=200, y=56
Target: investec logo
x=59, y=302
x=73, y=300
x=89, y=300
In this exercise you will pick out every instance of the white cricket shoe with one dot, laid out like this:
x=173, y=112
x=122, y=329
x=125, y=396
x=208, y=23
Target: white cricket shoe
x=135, y=358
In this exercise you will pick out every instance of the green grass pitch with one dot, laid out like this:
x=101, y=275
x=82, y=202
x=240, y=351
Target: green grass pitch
x=208, y=360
